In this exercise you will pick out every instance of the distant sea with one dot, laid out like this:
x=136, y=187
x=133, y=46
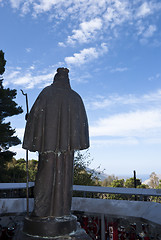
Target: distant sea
x=143, y=177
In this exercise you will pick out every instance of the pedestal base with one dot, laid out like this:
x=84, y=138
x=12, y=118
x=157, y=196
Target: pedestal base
x=79, y=234
x=49, y=227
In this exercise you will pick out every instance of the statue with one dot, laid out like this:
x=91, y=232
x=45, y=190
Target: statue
x=56, y=126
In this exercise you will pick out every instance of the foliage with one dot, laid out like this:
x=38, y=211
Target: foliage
x=143, y=186
x=117, y=183
x=8, y=108
x=108, y=181
x=129, y=183
x=159, y=185
x=154, y=180
x=16, y=170
x=2, y=62
x=82, y=174
x=32, y=166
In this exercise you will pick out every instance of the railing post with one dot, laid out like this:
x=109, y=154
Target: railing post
x=102, y=227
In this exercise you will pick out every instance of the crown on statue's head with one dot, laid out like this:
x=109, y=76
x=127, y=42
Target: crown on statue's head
x=63, y=70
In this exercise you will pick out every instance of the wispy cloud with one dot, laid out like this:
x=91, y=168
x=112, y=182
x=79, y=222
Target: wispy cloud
x=146, y=100
x=16, y=3
x=144, y=10
x=139, y=121
x=30, y=77
x=94, y=18
x=20, y=133
x=119, y=69
x=117, y=13
x=150, y=31
x=86, y=55
x=140, y=124
x=86, y=31
x=155, y=77
x=28, y=50
x=114, y=141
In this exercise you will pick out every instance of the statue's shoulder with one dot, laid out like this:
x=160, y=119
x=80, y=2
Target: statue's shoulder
x=46, y=91
x=74, y=93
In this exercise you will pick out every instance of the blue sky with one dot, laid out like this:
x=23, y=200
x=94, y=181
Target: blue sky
x=113, y=51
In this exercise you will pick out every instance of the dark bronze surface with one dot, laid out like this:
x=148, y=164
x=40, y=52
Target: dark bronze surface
x=79, y=234
x=50, y=227
x=57, y=121
x=56, y=126
x=53, y=186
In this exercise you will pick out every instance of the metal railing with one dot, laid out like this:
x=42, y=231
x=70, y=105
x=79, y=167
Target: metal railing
x=94, y=189
x=101, y=212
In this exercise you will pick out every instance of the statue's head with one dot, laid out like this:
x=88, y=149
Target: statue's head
x=61, y=75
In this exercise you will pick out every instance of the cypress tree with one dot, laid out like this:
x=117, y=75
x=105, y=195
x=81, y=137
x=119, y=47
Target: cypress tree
x=8, y=108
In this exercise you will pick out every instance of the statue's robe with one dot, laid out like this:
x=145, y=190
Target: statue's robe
x=57, y=122
x=56, y=127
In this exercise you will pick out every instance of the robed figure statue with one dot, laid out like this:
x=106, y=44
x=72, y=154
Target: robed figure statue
x=56, y=126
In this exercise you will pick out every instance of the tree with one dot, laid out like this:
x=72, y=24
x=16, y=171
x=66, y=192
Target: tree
x=108, y=181
x=154, y=180
x=129, y=183
x=16, y=170
x=8, y=108
x=33, y=165
x=2, y=62
x=143, y=186
x=82, y=174
x=118, y=183
x=159, y=185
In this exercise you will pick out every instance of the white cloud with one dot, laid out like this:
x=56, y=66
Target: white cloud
x=133, y=124
x=16, y=3
x=32, y=67
x=61, y=44
x=29, y=78
x=144, y=10
x=13, y=74
x=29, y=81
x=21, y=153
x=90, y=19
x=150, y=31
x=86, y=31
x=117, y=13
x=86, y=55
x=140, y=121
x=140, y=27
x=28, y=50
x=119, y=69
x=20, y=133
x=151, y=100
x=26, y=6
x=114, y=141
x=44, y=5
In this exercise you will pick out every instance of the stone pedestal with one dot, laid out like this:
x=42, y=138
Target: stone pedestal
x=63, y=228
x=50, y=226
x=80, y=234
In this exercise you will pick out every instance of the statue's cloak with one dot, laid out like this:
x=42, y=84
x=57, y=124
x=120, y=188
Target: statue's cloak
x=57, y=122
